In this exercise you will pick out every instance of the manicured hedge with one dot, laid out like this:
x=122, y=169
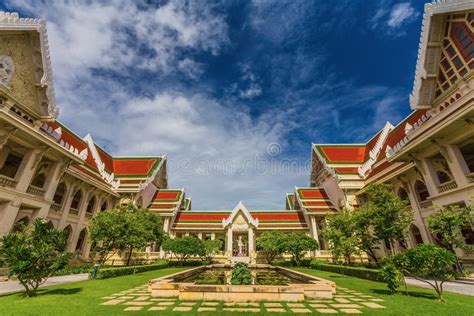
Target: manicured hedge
x=106, y=273
x=358, y=272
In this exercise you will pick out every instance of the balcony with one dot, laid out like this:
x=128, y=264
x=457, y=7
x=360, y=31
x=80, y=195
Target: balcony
x=470, y=177
x=56, y=207
x=450, y=185
x=89, y=215
x=7, y=181
x=35, y=190
x=73, y=211
x=426, y=203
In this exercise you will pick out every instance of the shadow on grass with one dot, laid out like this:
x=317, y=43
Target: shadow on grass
x=410, y=293
x=72, y=291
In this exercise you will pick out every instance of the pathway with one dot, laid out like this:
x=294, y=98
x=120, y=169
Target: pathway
x=14, y=286
x=455, y=287
x=344, y=301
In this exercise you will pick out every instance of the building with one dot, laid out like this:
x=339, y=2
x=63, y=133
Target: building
x=428, y=157
x=47, y=171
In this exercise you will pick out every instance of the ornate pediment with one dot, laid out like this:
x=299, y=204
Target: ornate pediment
x=240, y=217
x=25, y=68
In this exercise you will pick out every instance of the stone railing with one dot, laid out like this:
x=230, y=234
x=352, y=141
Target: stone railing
x=73, y=211
x=470, y=177
x=450, y=185
x=35, y=190
x=89, y=215
x=426, y=203
x=55, y=207
x=7, y=181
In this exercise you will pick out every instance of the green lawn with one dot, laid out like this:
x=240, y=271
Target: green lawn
x=84, y=298
x=78, y=298
x=420, y=302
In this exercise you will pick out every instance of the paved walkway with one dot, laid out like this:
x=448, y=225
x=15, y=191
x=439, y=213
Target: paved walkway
x=14, y=286
x=344, y=301
x=461, y=288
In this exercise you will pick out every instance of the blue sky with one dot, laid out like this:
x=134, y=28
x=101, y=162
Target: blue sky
x=234, y=93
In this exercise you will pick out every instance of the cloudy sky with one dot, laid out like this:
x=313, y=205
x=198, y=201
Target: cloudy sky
x=233, y=93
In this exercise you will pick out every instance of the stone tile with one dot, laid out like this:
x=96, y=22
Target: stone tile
x=355, y=299
x=242, y=304
x=326, y=311
x=341, y=300
x=209, y=304
x=163, y=299
x=108, y=297
x=132, y=303
x=206, y=309
x=272, y=304
x=367, y=296
x=241, y=309
x=141, y=298
x=321, y=301
x=318, y=305
x=345, y=305
x=345, y=295
x=157, y=308
x=298, y=305
x=276, y=310
x=133, y=308
x=113, y=302
x=350, y=311
x=182, y=309
x=300, y=310
x=165, y=303
x=376, y=300
x=125, y=297
x=372, y=305
x=188, y=303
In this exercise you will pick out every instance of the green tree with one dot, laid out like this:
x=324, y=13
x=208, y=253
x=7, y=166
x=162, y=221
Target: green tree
x=390, y=216
x=367, y=241
x=430, y=264
x=340, y=233
x=124, y=229
x=447, y=225
x=271, y=244
x=211, y=247
x=390, y=274
x=241, y=274
x=297, y=244
x=34, y=253
x=183, y=248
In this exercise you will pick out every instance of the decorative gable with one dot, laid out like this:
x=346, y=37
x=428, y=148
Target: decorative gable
x=240, y=213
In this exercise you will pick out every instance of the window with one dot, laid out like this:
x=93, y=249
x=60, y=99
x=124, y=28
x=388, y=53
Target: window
x=81, y=240
x=59, y=194
x=416, y=234
x=402, y=194
x=207, y=236
x=11, y=165
x=39, y=180
x=467, y=152
x=443, y=177
x=103, y=207
x=76, y=200
x=90, y=206
x=421, y=191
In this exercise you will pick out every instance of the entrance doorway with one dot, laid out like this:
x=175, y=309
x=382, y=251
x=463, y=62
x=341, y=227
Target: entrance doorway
x=240, y=245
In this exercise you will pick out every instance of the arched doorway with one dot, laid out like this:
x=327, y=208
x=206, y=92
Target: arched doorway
x=416, y=235
x=81, y=241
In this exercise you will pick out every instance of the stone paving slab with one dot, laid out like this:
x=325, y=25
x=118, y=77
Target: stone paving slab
x=276, y=310
x=133, y=308
x=206, y=309
x=372, y=305
x=157, y=308
x=165, y=303
x=182, y=309
x=350, y=311
x=241, y=309
x=299, y=305
x=326, y=311
x=300, y=310
x=272, y=304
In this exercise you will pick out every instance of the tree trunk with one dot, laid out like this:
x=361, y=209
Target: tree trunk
x=129, y=255
x=371, y=253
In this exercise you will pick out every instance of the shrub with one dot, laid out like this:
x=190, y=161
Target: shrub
x=358, y=272
x=185, y=247
x=115, y=272
x=391, y=276
x=297, y=244
x=34, y=253
x=73, y=270
x=241, y=274
x=271, y=244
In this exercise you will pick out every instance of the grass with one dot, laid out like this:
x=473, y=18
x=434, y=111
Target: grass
x=419, y=302
x=84, y=298
x=78, y=298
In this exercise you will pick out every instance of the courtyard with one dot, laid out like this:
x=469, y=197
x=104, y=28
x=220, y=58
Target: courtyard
x=128, y=295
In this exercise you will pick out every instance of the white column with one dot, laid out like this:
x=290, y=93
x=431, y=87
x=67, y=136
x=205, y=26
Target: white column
x=229, y=242
x=66, y=205
x=314, y=232
x=417, y=214
x=429, y=175
x=8, y=213
x=52, y=181
x=213, y=236
x=80, y=223
x=457, y=165
x=26, y=170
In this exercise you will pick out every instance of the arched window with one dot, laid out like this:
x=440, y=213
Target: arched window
x=91, y=205
x=416, y=235
x=60, y=193
x=103, y=207
x=421, y=191
x=68, y=232
x=39, y=180
x=76, y=200
x=50, y=225
x=81, y=240
x=402, y=194
x=468, y=235
x=443, y=177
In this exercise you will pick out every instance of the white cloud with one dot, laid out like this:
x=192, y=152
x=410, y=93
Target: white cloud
x=252, y=91
x=393, y=19
x=401, y=13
